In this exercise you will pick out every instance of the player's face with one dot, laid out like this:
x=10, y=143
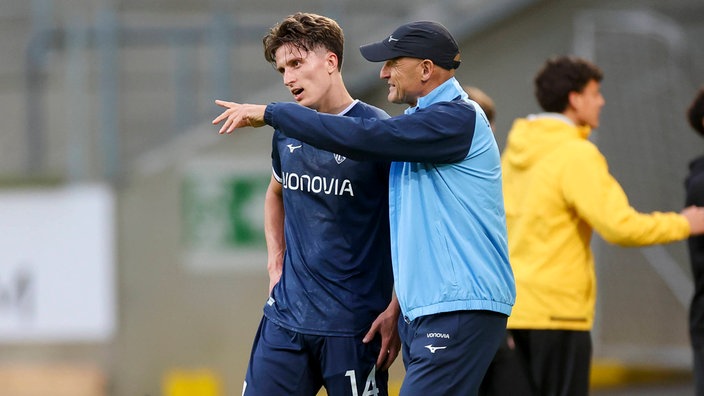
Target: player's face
x=587, y=104
x=306, y=73
x=403, y=75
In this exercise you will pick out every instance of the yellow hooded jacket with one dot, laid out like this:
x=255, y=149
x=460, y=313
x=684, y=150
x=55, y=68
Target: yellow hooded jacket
x=557, y=188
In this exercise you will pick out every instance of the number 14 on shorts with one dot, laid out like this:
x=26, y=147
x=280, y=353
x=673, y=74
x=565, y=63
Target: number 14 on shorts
x=370, y=388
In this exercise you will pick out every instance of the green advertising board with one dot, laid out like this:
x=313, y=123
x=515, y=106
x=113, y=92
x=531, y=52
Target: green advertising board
x=223, y=218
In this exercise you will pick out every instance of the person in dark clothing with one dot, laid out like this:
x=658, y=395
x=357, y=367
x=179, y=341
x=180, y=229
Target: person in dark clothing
x=695, y=196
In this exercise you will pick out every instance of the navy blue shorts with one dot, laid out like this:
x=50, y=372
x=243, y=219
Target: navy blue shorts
x=284, y=362
x=449, y=353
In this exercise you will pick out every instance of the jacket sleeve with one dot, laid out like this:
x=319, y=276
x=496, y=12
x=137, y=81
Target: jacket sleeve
x=601, y=201
x=441, y=133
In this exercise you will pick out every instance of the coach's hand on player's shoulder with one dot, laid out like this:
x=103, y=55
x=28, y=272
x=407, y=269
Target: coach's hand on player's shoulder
x=239, y=115
x=695, y=218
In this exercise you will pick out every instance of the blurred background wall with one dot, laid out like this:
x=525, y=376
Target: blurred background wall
x=134, y=259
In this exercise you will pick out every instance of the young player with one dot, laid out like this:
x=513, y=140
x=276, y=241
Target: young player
x=327, y=233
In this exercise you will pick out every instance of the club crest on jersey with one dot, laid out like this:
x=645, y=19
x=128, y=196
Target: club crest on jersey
x=339, y=158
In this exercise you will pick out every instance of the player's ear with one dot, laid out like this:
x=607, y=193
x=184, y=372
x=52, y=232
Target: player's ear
x=331, y=62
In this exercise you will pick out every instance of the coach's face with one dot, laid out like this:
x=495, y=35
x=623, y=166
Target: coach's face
x=306, y=73
x=404, y=76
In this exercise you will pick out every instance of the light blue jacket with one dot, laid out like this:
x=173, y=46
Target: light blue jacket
x=448, y=226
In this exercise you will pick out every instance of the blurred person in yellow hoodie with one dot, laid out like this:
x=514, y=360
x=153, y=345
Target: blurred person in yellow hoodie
x=557, y=190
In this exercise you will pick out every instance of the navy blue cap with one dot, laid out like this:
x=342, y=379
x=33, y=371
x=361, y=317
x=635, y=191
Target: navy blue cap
x=422, y=39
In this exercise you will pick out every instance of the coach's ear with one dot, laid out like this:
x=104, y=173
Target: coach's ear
x=426, y=67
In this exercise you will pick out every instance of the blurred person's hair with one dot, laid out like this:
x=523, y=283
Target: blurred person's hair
x=695, y=113
x=306, y=32
x=561, y=75
x=484, y=100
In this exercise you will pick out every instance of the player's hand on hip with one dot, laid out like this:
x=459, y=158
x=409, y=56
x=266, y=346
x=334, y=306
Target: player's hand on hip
x=238, y=115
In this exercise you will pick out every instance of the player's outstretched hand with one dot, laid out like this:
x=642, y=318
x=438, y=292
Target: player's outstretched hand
x=386, y=324
x=239, y=115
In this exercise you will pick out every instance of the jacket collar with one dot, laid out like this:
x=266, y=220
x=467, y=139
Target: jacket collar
x=557, y=116
x=584, y=131
x=445, y=92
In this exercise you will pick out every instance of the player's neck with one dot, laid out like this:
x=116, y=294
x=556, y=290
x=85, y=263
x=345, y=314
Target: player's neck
x=336, y=100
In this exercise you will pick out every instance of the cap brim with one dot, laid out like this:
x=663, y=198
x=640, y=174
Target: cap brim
x=377, y=52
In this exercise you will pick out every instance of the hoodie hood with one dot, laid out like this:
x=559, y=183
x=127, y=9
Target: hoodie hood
x=534, y=137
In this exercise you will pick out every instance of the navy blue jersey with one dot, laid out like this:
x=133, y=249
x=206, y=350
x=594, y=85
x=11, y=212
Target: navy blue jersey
x=337, y=274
